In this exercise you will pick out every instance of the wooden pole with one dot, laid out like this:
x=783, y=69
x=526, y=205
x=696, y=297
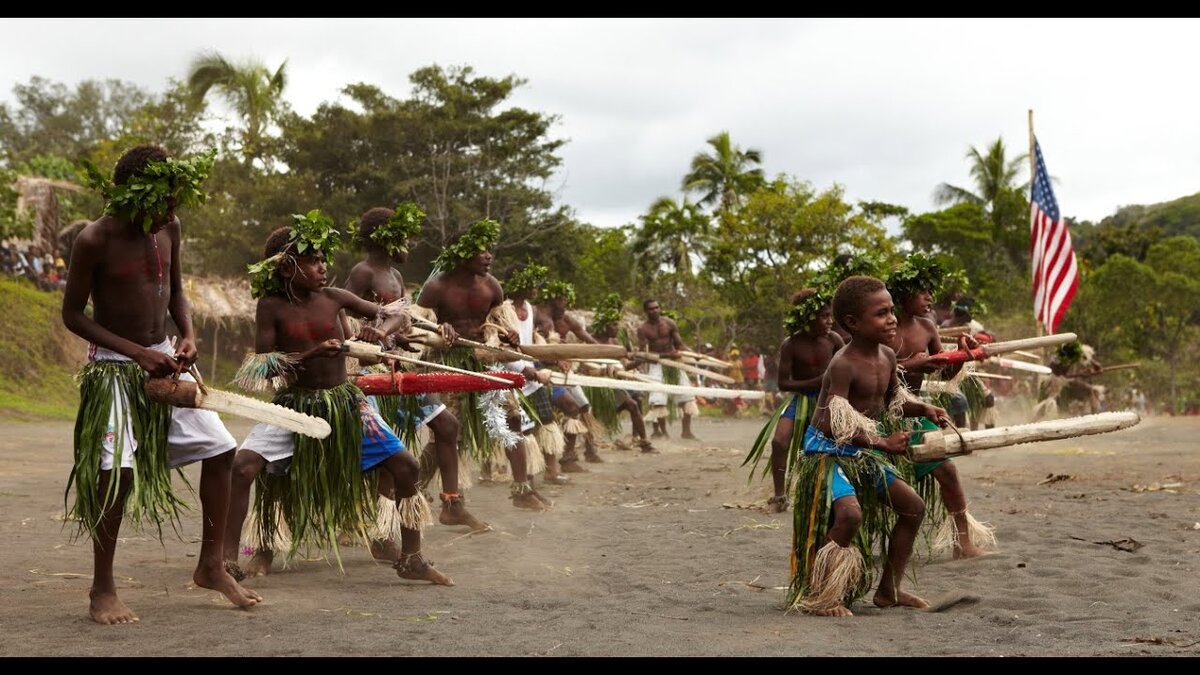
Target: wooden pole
x=216, y=332
x=1037, y=380
x=940, y=444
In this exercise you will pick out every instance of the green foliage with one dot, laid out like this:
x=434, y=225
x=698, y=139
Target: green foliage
x=802, y=314
x=480, y=238
x=151, y=191
x=670, y=236
x=962, y=239
x=531, y=276
x=394, y=234
x=724, y=176
x=608, y=312
x=919, y=272
x=560, y=289
x=1145, y=311
x=457, y=147
x=38, y=355
x=786, y=231
x=311, y=233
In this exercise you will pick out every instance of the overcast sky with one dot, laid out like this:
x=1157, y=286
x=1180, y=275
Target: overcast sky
x=886, y=108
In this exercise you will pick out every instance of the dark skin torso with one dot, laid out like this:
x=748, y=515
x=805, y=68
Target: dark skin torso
x=916, y=335
x=863, y=375
x=377, y=283
x=551, y=320
x=132, y=286
x=463, y=300
x=803, y=360
x=306, y=325
x=662, y=336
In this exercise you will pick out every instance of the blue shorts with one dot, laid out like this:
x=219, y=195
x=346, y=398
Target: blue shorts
x=428, y=411
x=958, y=405
x=817, y=443
x=790, y=412
x=378, y=440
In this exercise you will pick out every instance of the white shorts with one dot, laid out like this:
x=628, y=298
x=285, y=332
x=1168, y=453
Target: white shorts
x=659, y=398
x=379, y=442
x=195, y=434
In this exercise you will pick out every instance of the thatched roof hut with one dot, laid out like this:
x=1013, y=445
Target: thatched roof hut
x=220, y=300
x=38, y=193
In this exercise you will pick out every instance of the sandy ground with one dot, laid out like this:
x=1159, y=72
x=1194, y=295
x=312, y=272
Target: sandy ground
x=642, y=557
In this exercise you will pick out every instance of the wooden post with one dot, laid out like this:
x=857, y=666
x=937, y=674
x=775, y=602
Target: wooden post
x=1037, y=379
x=216, y=332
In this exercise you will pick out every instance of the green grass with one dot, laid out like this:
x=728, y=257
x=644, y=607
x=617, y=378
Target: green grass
x=38, y=356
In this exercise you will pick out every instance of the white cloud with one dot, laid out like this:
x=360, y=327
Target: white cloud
x=887, y=108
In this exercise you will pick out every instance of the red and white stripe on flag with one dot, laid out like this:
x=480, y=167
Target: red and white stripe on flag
x=1055, y=274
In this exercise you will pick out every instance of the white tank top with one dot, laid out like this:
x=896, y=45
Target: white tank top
x=525, y=331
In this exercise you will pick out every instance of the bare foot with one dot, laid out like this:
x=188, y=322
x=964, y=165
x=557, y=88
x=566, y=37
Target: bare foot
x=902, y=599
x=592, y=457
x=777, y=504
x=454, y=512
x=528, y=501
x=572, y=466
x=836, y=611
x=234, y=570
x=220, y=581
x=384, y=550
x=969, y=551
x=556, y=479
x=548, y=502
x=414, y=566
x=260, y=563
x=692, y=437
x=107, y=608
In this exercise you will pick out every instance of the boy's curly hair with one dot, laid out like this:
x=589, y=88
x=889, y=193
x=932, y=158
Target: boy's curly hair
x=850, y=298
x=135, y=159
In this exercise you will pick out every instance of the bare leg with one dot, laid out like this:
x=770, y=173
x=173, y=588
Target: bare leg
x=910, y=510
x=779, y=458
x=214, y=501
x=520, y=472
x=246, y=467
x=687, y=428
x=956, y=503
x=410, y=564
x=847, y=518
x=660, y=428
x=445, y=428
x=635, y=418
x=385, y=549
x=106, y=607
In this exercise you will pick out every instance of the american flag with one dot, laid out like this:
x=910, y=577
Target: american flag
x=1055, y=275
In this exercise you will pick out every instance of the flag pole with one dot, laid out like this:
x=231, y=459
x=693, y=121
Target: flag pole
x=1032, y=175
x=1037, y=379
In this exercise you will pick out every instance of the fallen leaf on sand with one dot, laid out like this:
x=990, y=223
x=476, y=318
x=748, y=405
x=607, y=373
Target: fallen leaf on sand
x=1156, y=487
x=747, y=507
x=1127, y=545
x=1054, y=478
x=1196, y=526
x=1158, y=641
x=66, y=575
x=754, y=526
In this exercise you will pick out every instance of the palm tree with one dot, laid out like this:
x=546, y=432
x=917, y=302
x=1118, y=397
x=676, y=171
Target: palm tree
x=997, y=191
x=724, y=176
x=249, y=88
x=671, y=233
x=993, y=174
